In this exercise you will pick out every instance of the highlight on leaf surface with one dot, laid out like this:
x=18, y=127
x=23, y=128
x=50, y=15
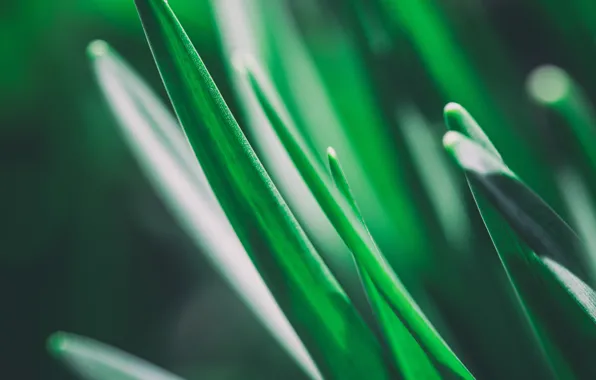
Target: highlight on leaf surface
x=345, y=218
x=322, y=315
x=531, y=218
x=93, y=360
x=559, y=303
x=165, y=155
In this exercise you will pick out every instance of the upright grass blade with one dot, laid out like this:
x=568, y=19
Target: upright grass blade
x=437, y=178
x=239, y=30
x=349, y=225
x=410, y=357
x=561, y=306
x=167, y=158
x=554, y=89
x=335, y=335
x=532, y=219
x=93, y=360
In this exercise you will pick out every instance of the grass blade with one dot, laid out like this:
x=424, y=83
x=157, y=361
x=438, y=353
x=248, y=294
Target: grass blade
x=410, y=357
x=326, y=321
x=93, y=360
x=531, y=218
x=560, y=305
x=167, y=158
x=351, y=229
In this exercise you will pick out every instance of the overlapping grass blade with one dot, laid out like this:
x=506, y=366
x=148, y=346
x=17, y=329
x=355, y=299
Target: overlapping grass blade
x=532, y=219
x=561, y=306
x=331, y=329
x=239, y=33
x=351, y=229
x=93, y=360
x=410, y=357
x=167, y=158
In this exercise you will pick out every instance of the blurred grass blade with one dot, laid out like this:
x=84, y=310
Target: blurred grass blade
x=410, y=357
x=328, y=324
x=238, y=25
x=437, y=177
x=167, y=158
x=554, y=89
x=350, y=227
x=561, y=306
x=93, y=360
x=531, y=218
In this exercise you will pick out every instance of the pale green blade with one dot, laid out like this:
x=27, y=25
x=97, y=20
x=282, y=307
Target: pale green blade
x=92, y=360
x=164, y=153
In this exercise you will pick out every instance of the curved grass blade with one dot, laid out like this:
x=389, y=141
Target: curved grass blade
x=356, y=236
x=410, y=357
x=328, y=324
x=560, y=305
x=532, y=219
x=93, y=360
x=167, y=158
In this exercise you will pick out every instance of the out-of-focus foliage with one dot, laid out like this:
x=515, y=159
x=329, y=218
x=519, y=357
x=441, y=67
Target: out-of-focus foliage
x=89, y=248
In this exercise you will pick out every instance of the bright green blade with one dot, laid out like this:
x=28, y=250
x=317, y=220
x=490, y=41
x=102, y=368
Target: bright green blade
x=93, y=360
x=167, y=158
x=333, y=332
x=411, y=358
x=356, y=236
x=531, y=218
x=561, y=306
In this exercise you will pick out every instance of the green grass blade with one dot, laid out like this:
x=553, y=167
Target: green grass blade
x=560, y=305
x=356, y=236
x=328, y=324
x=167, y=158
x=93, y=360
x=437, y=177
x=410, y=357
x=531, y=218
x=238, y=27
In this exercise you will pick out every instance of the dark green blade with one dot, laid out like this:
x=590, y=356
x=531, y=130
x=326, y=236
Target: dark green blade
x=335, y=335
x=168, y=160
x=93, y=360
x=532, y=219
x=561, y=306
x=350, y=227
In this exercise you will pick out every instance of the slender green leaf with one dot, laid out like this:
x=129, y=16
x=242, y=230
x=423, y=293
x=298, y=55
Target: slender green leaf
x=93, y=360
x=531, y=218
x=410, y=357
x=167, y=158
x=351, y=229
x=328, y=324
x=560, y=305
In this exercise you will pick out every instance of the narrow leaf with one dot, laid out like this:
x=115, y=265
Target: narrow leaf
x=410, y=357
x=532, y=219
x=167, y=158
x=93, y=360
x=560, y=305
x=350, y=228
x=328, y=324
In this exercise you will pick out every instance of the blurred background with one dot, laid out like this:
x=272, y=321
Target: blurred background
x=88, y=247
